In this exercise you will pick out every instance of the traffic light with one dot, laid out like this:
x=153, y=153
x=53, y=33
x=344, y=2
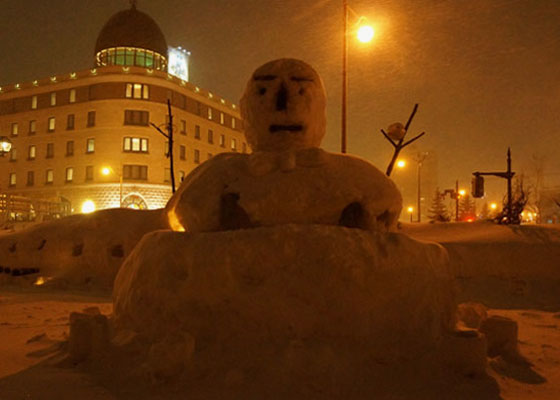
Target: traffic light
x=478, y=186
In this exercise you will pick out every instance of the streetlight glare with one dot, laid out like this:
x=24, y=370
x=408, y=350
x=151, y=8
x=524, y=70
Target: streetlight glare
x=462, y=192
x=410, y=209
x=401, y=163
x=88, y=206
x=105, y=171
x=365, y=33
x=493, y=206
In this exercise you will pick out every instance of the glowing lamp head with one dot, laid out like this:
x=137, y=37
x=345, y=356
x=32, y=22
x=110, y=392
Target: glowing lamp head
x=5, y=145
x=365, y=34
x=105, y=171
x=88, y=206
x=401, y=163
x=493, y=206
x=462, y=192
x=410, y=209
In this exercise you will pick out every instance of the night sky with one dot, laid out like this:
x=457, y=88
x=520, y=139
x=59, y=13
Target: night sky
x=486, y=73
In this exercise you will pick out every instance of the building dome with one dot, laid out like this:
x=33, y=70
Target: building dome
x=131, y=37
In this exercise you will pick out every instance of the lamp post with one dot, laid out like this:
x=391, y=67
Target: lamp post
x=106, y=171
x=365, y=34
x=410, y=211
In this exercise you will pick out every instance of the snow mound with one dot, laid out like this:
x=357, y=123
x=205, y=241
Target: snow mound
x=283, y=306
x=79, y=250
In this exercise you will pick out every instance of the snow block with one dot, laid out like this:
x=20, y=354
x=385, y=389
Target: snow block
x=286, y=302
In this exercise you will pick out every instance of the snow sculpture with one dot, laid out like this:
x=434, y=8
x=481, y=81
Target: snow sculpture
x=268, y=293
x=288, y=178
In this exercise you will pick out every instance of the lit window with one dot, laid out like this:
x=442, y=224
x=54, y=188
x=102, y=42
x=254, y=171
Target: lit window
x=70, y=122
x=210, y=136
x=72, y=97
x=49, y=178
x=13, y=154
x=70, y=148
x=197, y=157
x=197, y=132
x=222, y=118
x=12, y=179
x=222, y=141
x=52, y=122
x=50, y=150
x=89, y=172
x=31, y=152
x=209, y=113
x=234, y=144
x=32, y=127
x=15, y=129
x=91, y=118
x=181, y=176
x=69, y=174
x=233, y=123
x=34, y=102
x=137, y=91
x=137, y=145
x=90, y=145
x=53, y=99
x=182, y=152
x=30, y=178
x=183, y=127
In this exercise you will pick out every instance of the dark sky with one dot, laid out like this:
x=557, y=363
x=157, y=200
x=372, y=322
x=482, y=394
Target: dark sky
x=486, y=73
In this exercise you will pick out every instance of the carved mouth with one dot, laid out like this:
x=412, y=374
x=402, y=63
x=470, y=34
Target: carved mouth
x=288, y=128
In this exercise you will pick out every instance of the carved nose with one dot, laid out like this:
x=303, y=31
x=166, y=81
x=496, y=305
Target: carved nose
x=282, y=98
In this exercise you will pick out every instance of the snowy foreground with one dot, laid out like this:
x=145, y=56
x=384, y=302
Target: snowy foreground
x=514, y=271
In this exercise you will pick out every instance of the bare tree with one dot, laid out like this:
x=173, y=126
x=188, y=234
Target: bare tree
x=520, y=197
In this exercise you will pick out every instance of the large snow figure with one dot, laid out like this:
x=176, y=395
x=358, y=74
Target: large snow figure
x=288, y=178
x=270, y=293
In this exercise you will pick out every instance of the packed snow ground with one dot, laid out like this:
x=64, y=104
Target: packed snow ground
x=513, y=270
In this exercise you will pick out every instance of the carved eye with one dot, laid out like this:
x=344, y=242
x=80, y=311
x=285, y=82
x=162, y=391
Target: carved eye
x=262, y=91
x=301, y=91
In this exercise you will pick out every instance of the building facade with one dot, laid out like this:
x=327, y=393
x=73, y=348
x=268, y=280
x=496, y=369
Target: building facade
x=86, y=137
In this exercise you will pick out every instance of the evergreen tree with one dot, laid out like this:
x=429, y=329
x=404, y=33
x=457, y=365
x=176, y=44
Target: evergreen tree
x=438, y=211
x=467, y=208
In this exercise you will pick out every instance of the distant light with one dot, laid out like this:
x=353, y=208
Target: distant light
x=40, y=281
x=365, y=33
x=88, y=206
x=401, y=163
x=410, y=209
x=17, y=86
x=35, y=83
x=105, y=171
x=94, y=71
x=53, y=79
x=470, y=220
x=210, y=94
x=462, y=192
x=493, y=206
x=72, y=75
x=126, y=69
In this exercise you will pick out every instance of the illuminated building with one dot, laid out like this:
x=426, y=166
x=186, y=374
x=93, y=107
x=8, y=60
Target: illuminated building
x=67, y=128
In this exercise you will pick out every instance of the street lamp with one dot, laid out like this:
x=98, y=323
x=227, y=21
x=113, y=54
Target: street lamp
x=364, y=34
x=107, y=171
x=410, y=211
x=5, y=145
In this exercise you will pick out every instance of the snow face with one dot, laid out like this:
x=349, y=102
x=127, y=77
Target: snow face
x=283, y=107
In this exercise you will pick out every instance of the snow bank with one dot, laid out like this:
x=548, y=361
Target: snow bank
x=501, y=266
x=77, y=250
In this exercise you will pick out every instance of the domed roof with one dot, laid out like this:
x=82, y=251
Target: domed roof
x=131, y=28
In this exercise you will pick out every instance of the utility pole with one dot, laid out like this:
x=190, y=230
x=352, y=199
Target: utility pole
x=506, y=175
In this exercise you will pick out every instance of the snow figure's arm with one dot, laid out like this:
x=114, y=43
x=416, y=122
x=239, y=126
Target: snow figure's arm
x=198, y=204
